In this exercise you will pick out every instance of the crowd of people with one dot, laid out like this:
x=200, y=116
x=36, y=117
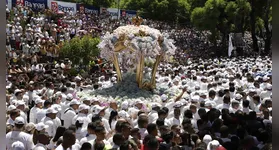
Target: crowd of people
x=210, y=104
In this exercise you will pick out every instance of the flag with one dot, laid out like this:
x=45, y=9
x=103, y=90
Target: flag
x=230, y=45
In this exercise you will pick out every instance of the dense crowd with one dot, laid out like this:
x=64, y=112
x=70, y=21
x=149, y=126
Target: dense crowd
x=210, y=104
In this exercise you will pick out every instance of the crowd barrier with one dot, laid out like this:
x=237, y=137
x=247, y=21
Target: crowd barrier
x=59, y=6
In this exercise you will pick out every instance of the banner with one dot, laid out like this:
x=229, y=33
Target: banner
x=86, y=9
x=128, y=13
x=230, y=49
x=60, y=7
x=112, y=11
x=36, y=4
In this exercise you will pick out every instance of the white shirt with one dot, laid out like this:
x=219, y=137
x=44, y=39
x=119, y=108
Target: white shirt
x=80, y=133
x=90, y=138
x=40, y=146
x=60, y=147
x=33, y=114
x=10, y=121
x=53, y=125
x=41, y=114
x=174, y=121
x=68, y=116
x=14, y=136
x=85, y=118
x=152, y=116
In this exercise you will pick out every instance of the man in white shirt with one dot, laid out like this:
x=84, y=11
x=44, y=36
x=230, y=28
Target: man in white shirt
x=82, y=114
x=226, y=103
x=153, y=115
x=13, y=115
x=18, y=135
x=100, y=136
x=70, y=113
x=91, y=134
x=34, y=110
x=52, y=121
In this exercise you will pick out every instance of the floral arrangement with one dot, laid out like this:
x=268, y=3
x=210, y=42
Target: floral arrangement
x=130, y=47
x=136, y=40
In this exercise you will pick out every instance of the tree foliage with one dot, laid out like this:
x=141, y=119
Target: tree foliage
x=81, y=50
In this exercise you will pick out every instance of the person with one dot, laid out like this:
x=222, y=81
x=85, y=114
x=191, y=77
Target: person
x=100, y=137
x=70, y=113
x=59, y=133
x=86, y=146
x=34, y=110
x=43, y=141
x=69, y=139
x=91, y=133
x=13, y=114
x=52, y=121
x=18, y=135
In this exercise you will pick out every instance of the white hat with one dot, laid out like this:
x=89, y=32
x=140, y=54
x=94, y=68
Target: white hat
x=195, y=98
x=69, y=96
x=265, y=78
x=30, y=126
x=138, y=101
x=125, y=105
x=177, y=104
x=83, y=107
x=19, y=120
x=269, y=86
x=77, y=78
x=235, y=101
x=51, y=110
x=113, y=79
x=40, y=126
x=17, y=91
x=207, y=138
x=123, y=114
x=208, y=103
x=39, y=100
x=20, y=102
x=74, y=101
x=202, y=93
x=266, y=99
x=164, y=97
x=238, y=96
x=98, y=109
x=155, y=105
x=213, y=143
x=11, y=107
x=18, y=146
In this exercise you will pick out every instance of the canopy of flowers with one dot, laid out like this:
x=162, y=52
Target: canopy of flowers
x=130, y=41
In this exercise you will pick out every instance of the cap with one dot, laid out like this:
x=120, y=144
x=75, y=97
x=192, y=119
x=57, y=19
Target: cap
x=195, y=98
x=125, y=105
x=164, y=97
x=18, y=103
x=39, y=100
x=19, y=120
x=18, y=146
x=83, y=107
x=238, y=96
x=40, y=126
x=17, y=91
x=98, y=109
x=154, y=105
x=11, y=107
x=235, y=101
x=69, y=96
x=269, y=86
x=30, y=126
x=74, y=101
x=51, y=110
x=123, y=114
x=265, y=78
x=177, y=104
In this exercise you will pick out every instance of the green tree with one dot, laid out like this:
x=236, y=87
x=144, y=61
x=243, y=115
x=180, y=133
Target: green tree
x=211, y=17
x=81, y=50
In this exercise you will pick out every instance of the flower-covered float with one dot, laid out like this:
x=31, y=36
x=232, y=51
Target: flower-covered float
x=129, y=46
